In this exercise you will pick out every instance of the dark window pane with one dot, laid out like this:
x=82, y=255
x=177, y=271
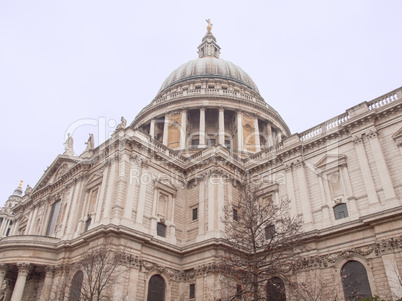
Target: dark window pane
x=192, y=291
x=54, y=212
x=156, y=289
x=341, y=211
x=269, y=232
x=235, y=218
x=276, y=290
x=161, y=230
x=227, y=143
x=211, y=141
x=195, y=214
x=195, y=142
x=355, y=281
x=76, y=285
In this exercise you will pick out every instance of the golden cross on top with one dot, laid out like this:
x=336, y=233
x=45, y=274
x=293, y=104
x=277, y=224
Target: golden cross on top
x=209, y=27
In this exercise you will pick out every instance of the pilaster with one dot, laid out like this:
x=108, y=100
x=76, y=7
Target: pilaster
x=385, y=177
x=221, y=126
x=365, y=169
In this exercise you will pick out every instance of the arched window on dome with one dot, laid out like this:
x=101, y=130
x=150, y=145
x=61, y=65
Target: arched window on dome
x=275, y=289
x=156, y=288
x=355, y=281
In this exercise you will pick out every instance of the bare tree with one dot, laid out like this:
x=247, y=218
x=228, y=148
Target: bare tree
x=93, y=275
x=262, y=241
x=315, y=286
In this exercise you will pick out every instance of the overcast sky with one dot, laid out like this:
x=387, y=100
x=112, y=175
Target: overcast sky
x=80, y=65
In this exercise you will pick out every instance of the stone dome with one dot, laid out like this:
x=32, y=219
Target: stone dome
x=209, y=67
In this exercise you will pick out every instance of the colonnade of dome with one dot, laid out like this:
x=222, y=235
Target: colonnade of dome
x=211, y=101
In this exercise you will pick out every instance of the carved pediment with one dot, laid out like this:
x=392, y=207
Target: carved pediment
x=166, y=184
x=330, y=162
x=94, y=179
x=55, y=171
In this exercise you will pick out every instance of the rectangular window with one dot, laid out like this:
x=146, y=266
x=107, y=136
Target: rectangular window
x=341, y=211
x=54, y=212
x=227, y=144
x=269, y=232
x=195, y=142
x=235, y=217
x=195, y=214
x=192, y=291
x=211, y=141
x=161, y=230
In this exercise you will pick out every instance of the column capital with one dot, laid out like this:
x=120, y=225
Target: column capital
x=202, y=108
x=24, y=268
x=4, y=268
x=221, y=109
x=357, y=139
x=371, y=134
x=50, y=270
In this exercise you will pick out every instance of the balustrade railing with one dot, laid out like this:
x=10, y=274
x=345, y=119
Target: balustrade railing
x=334, y=123
x=383, y=100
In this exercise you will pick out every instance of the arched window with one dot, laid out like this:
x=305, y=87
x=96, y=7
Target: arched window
x=76, y=285
x=276, y=289
x=156, y=288
x=355, y=281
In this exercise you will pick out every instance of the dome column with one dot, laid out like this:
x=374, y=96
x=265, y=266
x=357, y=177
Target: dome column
x=202, y=128
x=221, y=126
x=183, y=129
x=270, y=140
x=152, y=129
x=257, y=135
x=165, y=130
x=239, y=131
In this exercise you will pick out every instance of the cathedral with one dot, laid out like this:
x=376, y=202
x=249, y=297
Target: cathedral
x=156, y=189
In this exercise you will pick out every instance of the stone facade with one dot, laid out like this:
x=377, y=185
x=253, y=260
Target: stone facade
x=156, y=189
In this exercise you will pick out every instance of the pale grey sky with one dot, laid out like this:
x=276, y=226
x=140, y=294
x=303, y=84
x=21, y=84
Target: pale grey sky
x=66, y=63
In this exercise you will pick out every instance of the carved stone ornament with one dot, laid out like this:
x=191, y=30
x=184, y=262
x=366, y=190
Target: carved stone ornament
x=357, y=139
x=24, y=268
x=3, y=269
x=371, y=134
x=327, y=260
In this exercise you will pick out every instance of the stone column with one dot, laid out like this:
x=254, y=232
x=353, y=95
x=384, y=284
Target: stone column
x=101, y=194
x=165, y=130
x=3, y=272
x=304, y=194
x=270, y=140
x=239, y=131
x=202, y=128
x=23, y=271
x=291, y=190
x=121, y=190
x=221, y=126
x=365, y=169
x=201, y=211
x=110, y=192
x=183, y=129
x=385, y=177
x=145, y=178
x=72, y=224
x=152, y=129
x=47, y=285
x=257, y=135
